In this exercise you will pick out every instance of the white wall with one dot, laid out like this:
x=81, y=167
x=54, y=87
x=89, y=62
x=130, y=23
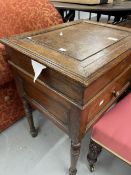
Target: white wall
x=83, y=15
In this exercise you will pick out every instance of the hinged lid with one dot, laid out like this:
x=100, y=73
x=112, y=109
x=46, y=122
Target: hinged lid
x=79, y=50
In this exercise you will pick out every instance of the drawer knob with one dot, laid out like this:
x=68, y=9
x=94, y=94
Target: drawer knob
x=115, y=93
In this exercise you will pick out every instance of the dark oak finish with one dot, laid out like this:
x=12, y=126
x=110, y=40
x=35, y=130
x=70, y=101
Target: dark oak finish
x=28, y=111
x=80, y=83
x=117, y=5
x=118, y=8
x=75, y=152
x=27, y=107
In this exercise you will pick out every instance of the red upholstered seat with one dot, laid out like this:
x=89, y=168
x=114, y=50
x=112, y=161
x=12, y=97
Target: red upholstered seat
x=113, y=130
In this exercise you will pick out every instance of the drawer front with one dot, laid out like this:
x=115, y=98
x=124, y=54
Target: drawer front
x=109, y=93
x=103, y=100
x=96, y=86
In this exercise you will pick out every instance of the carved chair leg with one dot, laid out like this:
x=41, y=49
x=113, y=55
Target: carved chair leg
x=29, y=116
x=75, y=152
x=94, y=151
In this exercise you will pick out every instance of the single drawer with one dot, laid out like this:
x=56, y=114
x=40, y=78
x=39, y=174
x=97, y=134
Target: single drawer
x=98, y=85
x=109, y=93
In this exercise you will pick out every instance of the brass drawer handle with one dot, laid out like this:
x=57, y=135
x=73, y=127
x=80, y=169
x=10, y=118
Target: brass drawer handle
x=115, y=93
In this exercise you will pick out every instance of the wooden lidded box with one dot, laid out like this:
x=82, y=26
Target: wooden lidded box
x=87, y=69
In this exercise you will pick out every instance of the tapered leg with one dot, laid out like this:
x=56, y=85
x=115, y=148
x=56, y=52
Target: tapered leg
x=94, y=151
x=75, y=152
x=90, y=16
x=29, y=116
x=109, y=17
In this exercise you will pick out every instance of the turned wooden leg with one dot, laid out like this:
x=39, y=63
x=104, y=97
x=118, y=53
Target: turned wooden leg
x=94, y=151
x=75, y=152
x=29, y=116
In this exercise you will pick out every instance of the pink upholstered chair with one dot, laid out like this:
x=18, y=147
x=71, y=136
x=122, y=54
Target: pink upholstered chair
x=113, y=132
x=18, y=17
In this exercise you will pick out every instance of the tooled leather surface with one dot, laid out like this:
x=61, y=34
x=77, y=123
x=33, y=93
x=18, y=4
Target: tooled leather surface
x=18, y=17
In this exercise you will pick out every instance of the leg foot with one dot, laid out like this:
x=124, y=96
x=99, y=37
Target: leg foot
x=94, y=151
x=34, y=132
x=29, y=116
x=92, y=168
x=75, y=152
x=72, y=172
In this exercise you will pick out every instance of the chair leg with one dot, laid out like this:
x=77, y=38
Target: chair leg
x=94, y=151
x=98, y=17
x=109, y=17
x=90, y=16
